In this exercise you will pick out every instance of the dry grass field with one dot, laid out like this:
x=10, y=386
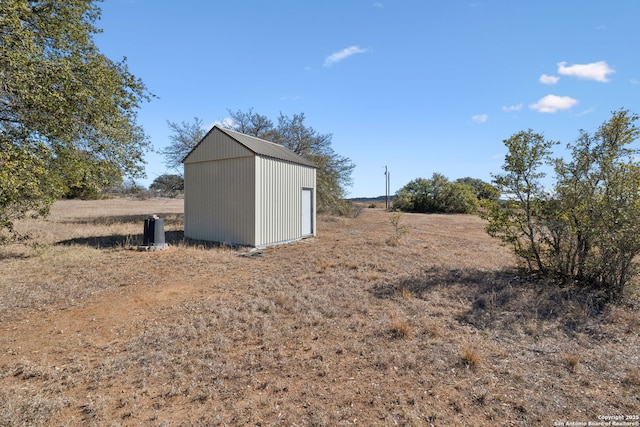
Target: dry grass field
x=425, y=322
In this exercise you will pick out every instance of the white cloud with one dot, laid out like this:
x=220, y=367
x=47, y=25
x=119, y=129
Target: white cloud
x=510, y=108
x=553, y=103
x=587, y=111
x=378, y=5
x=597, y=71
x=634, y=81
x=480, y=118
x=549, y=80
x=344, y=53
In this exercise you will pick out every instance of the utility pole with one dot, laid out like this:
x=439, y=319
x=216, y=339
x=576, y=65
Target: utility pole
x=386, y=189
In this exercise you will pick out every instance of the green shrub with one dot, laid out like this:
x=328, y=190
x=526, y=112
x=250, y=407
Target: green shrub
x=588, y=230
x=436, y=195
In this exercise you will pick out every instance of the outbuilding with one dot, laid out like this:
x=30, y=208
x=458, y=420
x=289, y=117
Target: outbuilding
x=243, y=190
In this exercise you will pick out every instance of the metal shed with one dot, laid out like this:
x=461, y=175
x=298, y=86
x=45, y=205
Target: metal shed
x=242, y=190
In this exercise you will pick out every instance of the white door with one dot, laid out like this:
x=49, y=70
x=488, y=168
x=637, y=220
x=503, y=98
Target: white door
x=307, y=211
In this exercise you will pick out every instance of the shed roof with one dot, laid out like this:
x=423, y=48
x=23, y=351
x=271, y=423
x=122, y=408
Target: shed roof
x=260, y=147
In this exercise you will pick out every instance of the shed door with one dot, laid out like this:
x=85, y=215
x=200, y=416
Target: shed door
x=307, y=211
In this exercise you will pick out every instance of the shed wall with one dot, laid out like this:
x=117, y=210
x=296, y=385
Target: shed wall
x=219, y=199
x=278, y=205
x=217, y=146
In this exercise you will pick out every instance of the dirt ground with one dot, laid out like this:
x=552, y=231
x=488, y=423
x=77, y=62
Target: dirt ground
x=423, y=323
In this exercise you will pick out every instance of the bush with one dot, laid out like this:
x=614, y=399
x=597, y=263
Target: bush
x=588, y=230
x=436, y=195
x=128, y=189
x=343, y=208
x=168, y=185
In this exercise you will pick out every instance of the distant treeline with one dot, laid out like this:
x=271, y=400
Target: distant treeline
x=371, y=199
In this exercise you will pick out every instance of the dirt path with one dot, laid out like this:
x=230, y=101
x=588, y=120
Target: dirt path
x=106, y=318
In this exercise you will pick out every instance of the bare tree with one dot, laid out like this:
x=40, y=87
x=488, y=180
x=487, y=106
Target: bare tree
x=185, y=136
x=251, y=123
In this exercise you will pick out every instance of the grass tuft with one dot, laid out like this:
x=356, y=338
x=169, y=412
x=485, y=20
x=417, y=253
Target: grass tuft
x=406, y=293
x=399, y=328
x=470, y=357
x=571, y=360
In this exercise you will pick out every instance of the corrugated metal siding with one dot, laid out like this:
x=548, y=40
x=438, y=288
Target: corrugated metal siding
x=216, y=146
x=265, y=148
x=220, y=199
x=279, y=199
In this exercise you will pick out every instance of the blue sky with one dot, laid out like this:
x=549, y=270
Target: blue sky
x=419, y=86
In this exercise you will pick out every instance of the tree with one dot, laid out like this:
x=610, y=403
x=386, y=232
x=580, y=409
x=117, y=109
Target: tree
x=436, y=195
x=598, y=209
x=250, y=123
x=185, y=136
x=25, y=184
x=587, y=231
x=517, y=221
x=60, y=96
x=168, y=185
x=411, y=197
x=82, y=175
x=461, y=198
x=483, y=190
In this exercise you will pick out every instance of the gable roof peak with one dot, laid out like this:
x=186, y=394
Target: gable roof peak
x=258, y=146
